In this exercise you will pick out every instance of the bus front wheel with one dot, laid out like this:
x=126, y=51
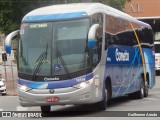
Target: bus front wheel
x=103, y=104
x=45, y=109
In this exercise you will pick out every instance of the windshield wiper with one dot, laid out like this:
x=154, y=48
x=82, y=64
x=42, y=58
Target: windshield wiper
x=39, y=62
x=64, y=64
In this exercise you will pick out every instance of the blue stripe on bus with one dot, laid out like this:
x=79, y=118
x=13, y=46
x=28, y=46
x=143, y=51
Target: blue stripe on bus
x=54, y=84
x=131, y=66
x=54, y=16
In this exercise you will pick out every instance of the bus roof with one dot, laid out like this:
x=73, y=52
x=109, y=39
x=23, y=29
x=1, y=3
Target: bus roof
x=74, y=10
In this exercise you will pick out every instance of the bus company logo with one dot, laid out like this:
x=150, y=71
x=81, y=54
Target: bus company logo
x=51, y=91
x=50, y=79
x=121, y=56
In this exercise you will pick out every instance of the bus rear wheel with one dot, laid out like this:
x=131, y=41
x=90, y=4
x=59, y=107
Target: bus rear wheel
x=146, y=89
x=143, y=92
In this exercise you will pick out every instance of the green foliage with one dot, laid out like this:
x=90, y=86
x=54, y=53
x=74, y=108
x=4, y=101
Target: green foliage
x=73, y=1
x=118, y=4
x=12, y=11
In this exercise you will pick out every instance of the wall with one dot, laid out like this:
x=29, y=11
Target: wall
x=143, y=8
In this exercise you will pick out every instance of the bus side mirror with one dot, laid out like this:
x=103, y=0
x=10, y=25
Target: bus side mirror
x=92, y=36
x=8, y=41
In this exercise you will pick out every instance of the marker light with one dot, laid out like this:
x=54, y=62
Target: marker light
x=83, y=84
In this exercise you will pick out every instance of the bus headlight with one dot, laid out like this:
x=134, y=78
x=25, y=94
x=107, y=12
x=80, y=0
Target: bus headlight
x=24, y=88
x=83, y=84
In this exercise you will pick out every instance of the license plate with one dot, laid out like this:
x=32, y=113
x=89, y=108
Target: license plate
x=52, y=99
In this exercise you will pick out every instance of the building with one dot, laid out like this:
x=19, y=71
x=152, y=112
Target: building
x=147, y=11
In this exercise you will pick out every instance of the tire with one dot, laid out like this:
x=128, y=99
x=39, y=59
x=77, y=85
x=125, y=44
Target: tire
x=140, y=94
x=157, y=73
x=4, y=94
x=146, y=89
x=102, y=105
x=109, y=94
x=45, y=109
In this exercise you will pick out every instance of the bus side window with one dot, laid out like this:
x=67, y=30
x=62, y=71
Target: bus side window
x=99, y=47
x=95, y=55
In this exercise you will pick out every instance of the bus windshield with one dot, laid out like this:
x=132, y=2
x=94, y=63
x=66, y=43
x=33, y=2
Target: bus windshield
x=53, y=48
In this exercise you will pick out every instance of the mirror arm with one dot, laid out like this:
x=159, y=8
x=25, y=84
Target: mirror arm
x=92, y=32
x=8, y=41
x=91, y=35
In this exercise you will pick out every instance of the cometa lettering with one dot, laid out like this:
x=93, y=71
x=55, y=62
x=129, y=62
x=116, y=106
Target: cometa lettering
x=122, y=56
x=51, y=79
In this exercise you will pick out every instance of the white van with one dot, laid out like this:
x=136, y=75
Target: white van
x=157, y=56
x=2, y=85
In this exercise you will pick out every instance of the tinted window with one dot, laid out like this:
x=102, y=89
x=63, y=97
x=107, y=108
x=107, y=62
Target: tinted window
x=157, y=48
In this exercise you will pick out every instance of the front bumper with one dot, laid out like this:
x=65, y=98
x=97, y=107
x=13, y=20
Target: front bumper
x=70, y=95
x=3, y=90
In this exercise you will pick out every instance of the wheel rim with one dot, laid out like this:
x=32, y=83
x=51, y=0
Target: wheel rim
x=106, y=94
x=142, y=89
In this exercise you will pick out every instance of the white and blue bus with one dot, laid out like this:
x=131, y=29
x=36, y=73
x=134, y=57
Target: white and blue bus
x=84, y=53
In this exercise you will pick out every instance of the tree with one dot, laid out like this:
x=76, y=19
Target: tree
x=118, y=4
x=12, y=12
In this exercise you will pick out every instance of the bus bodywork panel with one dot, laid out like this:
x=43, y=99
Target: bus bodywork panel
x=130, y=55
x=124, y=64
